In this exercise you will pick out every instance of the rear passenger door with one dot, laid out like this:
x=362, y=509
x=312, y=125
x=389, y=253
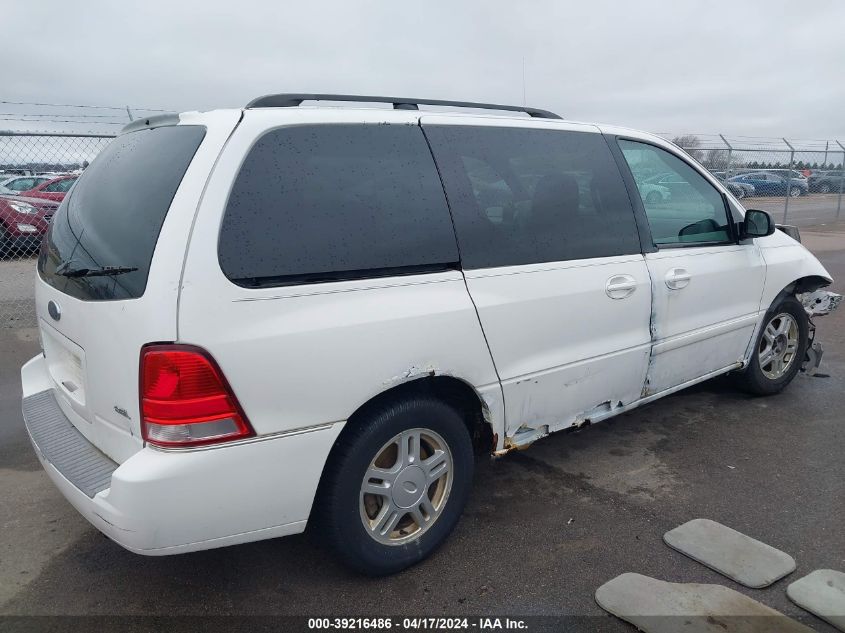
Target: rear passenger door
x=706, y=286
x=551, y=256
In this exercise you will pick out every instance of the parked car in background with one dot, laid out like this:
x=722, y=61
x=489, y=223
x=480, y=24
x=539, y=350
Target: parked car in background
x=654, y=193
x=794, y=173
x=674, y=183
x=23, y=222
x=679, y=189
x=54, y=189
x=825, y=181
x=769, y=184
x=13, y=186
x=738, y=189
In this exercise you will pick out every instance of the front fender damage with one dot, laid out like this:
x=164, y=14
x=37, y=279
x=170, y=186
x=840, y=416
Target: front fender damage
x=820, y=302
x=817, y=303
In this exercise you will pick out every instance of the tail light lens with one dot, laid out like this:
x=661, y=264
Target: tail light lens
x=185, y=399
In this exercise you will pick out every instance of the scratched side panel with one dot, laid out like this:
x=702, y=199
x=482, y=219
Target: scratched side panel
x=705, y=325
x=306, y=357
x=786, y=261
x=564, y=349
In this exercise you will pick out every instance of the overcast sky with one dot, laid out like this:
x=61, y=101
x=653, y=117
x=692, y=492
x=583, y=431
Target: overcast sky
x=769, y=68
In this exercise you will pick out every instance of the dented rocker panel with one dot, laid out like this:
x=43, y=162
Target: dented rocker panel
x=561, y=345
x=715, y=339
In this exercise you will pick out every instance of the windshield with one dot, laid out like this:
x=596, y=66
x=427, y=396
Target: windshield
x=112, y=217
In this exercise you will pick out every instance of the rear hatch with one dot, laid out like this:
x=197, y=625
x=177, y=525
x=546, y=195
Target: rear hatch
x=110, y=267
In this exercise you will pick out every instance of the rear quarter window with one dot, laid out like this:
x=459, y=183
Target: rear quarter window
x=331, y=202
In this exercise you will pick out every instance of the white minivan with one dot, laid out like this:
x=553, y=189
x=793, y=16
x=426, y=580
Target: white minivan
x=256, y=319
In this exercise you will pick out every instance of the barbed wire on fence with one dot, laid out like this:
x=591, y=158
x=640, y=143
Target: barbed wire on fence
x=77, y=105
x=69, y=117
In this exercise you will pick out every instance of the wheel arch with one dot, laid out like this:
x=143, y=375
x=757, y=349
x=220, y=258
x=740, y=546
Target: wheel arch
x=790, y=269
x=466, y=399
x=454, y=391
x=807, y=283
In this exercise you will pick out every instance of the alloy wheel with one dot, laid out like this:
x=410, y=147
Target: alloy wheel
x=406, y=486
x=778, y=346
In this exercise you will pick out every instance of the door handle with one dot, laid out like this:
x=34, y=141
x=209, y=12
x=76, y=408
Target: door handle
x=620, y=286
x=678, y=278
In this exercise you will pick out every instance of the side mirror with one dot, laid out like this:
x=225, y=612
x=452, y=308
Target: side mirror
x=756, y=224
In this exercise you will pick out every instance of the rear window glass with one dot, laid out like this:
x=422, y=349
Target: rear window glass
x=332, y=202
x=525, y=196
x=114, y=213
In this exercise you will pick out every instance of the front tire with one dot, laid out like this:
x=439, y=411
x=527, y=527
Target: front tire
x=779, y=350
x=396, y=485
x=795, y=192
x=653, y=197
x=824, y=187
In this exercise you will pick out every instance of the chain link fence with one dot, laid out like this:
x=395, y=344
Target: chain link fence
x=36, y=171
x=799, y=182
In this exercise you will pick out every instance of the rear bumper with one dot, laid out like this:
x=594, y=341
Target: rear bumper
x=168, y=502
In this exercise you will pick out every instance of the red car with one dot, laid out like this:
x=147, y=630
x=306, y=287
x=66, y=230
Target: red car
x=23, y=223
x=54, y=189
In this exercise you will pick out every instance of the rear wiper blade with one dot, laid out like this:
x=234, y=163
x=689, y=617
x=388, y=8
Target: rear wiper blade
x=105, y=271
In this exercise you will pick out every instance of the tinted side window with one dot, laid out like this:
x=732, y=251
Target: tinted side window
x=321, y=203
x=686, y=210
x=522, y=196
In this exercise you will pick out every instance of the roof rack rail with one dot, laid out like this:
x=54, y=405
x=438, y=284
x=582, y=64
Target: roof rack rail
x=399, y=103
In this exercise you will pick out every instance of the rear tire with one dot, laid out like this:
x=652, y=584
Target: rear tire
x=795, y=192
x=653, y=197
x=383, y=508
x=824, y=187
x=778, y=351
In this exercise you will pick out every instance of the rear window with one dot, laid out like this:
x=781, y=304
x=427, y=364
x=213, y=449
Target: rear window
x=114, y=213
x=333, y=202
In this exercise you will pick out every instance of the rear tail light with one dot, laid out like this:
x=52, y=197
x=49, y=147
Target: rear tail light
x=185, y=399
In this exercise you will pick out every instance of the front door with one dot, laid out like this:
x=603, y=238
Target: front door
x=706, y=286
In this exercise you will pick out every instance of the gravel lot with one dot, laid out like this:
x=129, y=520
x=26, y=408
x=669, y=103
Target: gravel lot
x=812, y=210
x=16, y=279
x=544, y=528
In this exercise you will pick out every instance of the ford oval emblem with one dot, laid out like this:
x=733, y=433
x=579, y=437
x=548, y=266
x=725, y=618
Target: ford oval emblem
x=54, y=310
